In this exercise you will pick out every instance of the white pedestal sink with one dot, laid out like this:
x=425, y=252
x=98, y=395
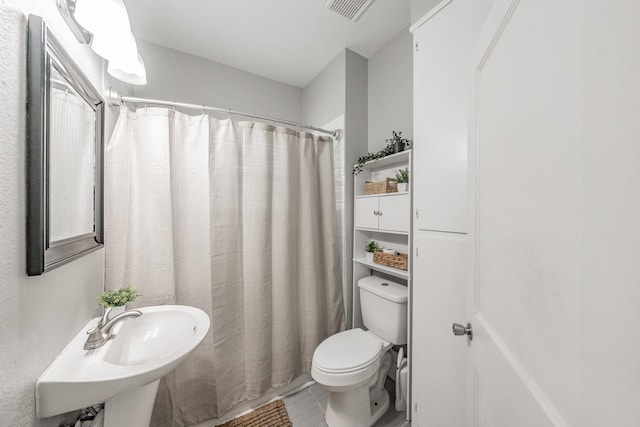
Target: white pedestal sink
x=125, y=372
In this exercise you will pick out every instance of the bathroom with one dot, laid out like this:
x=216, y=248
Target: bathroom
x=523, y=121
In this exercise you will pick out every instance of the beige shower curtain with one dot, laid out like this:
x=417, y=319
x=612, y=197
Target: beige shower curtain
x=239, y=220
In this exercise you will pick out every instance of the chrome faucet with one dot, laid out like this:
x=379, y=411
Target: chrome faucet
x=99, y=335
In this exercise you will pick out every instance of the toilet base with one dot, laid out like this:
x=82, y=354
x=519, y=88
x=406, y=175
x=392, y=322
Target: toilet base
x=360, y=406
x=356, y=408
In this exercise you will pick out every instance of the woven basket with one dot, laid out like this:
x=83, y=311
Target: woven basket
x=400, y=261
x=389, y=185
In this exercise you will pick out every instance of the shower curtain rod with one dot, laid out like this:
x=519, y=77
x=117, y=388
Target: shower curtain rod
x=116, y=98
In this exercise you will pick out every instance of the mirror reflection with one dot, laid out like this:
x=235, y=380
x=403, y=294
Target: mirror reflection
x=71, y=161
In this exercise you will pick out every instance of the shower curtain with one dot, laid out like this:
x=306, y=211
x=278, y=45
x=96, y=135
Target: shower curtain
x=239, y=220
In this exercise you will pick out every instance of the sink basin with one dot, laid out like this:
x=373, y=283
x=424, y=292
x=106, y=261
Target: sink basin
x=125, y=372
x=161, y=334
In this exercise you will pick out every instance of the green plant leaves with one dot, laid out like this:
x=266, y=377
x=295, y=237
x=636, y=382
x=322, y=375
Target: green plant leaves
x=402, y=176
x=388, y=149
x=371, y=246
x=118, y=297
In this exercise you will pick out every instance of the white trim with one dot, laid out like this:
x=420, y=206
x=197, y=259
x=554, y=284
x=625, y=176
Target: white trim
x=496, y=22
x=427, y=16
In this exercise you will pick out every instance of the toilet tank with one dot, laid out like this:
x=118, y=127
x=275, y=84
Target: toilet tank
x=384, y=308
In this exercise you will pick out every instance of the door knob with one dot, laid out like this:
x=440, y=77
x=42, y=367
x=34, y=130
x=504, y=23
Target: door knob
x=458, y=329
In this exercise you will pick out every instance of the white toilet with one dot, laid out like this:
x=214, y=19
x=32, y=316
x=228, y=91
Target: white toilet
x=353, y=364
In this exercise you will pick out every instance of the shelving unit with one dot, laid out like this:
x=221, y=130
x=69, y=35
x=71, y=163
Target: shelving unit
x=390, y=226
x=383, y=268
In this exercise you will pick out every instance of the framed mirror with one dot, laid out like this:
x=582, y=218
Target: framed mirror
x=65, y=139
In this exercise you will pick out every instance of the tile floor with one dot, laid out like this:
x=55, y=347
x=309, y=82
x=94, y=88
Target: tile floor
x=306, y=408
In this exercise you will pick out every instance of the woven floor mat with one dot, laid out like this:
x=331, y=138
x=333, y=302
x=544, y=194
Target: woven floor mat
x=272, y=415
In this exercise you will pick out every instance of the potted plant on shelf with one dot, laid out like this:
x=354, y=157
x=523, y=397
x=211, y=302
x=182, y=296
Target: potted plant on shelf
x=371, y=247
x=116, y=300
x=402, y=177
x=398, y=142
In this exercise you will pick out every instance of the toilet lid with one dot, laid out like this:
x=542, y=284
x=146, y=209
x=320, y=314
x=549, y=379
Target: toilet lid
x=347, y=351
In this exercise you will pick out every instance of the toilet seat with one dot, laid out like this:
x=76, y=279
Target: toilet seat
x=347, y=351
x=348, y=358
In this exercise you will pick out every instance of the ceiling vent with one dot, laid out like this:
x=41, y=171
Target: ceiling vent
x=349, y=9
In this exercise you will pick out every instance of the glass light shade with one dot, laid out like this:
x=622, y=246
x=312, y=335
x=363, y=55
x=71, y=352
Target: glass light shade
x=120, y=47
x=100, y=16
x=113, y=40
x=133, y=72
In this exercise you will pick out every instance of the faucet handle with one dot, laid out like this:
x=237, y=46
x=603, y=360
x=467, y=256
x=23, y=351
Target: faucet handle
x=104, y=319
x=105, y=316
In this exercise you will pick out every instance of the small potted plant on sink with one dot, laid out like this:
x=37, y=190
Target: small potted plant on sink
x=402, y=177
x=371, y=247
x=117, y=299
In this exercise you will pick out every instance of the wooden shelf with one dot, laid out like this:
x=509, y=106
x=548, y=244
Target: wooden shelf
x=383, y=268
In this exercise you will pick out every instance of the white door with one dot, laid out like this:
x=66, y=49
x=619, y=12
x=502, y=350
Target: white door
x=394, y=213
x=554, y=277
x=365, y=212
x=556, y=266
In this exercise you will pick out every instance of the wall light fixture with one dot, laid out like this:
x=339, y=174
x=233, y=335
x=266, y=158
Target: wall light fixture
x=105, y=24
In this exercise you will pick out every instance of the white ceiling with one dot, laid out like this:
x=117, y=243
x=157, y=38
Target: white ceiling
x=284, y=40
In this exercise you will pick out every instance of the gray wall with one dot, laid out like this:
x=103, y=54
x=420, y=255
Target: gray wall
x=39, y=315
x=323, y=99
x=356, y=116
x=391, y=90
x=420, y=7
x=355, y=135
x=177, y=76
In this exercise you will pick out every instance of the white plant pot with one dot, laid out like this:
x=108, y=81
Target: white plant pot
x=117, y=310
x=403, y=187
x=369, y=256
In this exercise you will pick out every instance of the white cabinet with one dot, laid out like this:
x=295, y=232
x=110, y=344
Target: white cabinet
x=365, y=212
x=385, y=218
x=442, y=81
x=385, y=213
x=443, y=46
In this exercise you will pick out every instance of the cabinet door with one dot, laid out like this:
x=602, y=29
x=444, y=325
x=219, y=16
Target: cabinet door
x=439, y=294
x=394, y=213
x=364, y=216
x=442, y=78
